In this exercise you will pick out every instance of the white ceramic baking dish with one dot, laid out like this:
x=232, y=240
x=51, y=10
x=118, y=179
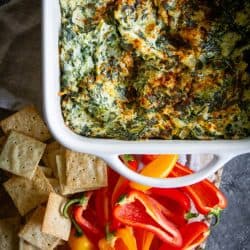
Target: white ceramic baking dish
x=109, y=149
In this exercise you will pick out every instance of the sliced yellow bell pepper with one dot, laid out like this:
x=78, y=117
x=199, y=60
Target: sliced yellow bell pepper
x=80, y=242
x=127, y=236
x=105, y=244
x=158, y=168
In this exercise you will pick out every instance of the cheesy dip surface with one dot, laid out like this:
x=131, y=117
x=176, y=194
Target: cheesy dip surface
x=140, y=69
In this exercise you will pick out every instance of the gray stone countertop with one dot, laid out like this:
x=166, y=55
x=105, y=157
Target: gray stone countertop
x=20, y=65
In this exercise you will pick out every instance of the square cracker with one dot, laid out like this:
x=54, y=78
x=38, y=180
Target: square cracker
x=28, y=122
x=7, y=207
x=23, y=245
x=54, y=223
x=8, y=233
x=55, y=184
x=47, y=171
x=21, y=154
x=28, y=194
x=64, y=189
x=32, y=232
x=84, y=170
x=49, y=156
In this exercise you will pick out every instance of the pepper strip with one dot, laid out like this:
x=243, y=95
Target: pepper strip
x=146, y=159
x=103, y=211
x=193, y=235
x=83, y=202
x=122, y=183
x=122, y=239
x=173, y=194
x=79, y=243
x=159, y=168
x=127, y=236
x=83, y=223
x=144, y=239
x=141, y=211
x=177, y=218
x=207, y=198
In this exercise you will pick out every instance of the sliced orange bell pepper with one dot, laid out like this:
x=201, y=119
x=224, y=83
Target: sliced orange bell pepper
x=158, y=168
x=144, y=239
x=105, y=244
x=123, y=239
x=147, y=240
x=126, y=234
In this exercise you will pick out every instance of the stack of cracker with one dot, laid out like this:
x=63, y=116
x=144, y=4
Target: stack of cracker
x=37, y=174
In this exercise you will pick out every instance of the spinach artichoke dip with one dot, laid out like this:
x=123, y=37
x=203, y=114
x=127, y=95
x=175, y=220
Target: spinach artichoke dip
x=140, y=69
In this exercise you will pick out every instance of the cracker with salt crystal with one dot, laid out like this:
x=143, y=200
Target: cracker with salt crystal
x=48, y=172
x=28, y=122
x=84, y=170
x=54, y=222
x=21, y=154
x=49, y=156
x=28, y=194
x=64, y=189
x=60, y=161
x=23, y=245
x=32, y=232
x=8, y=233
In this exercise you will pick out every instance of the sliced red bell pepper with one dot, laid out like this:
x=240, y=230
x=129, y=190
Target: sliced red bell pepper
x=78, y=210
x=141, y=211
x=130, y=161
x=83, y=202
x=85, y=224
x=120, y=245
x=178, y=219
x=112, y=178
x=122, y=186
x=172, y=194
x=148, y=158
x=156, y=243
x=207, y=198
x=122, y=183
x=176, y=202
x=114, y=224
x=102, y=207
x=193, y=235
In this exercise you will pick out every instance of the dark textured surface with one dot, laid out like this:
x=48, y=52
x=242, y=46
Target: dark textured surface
x=233, y=232
x=20, y=65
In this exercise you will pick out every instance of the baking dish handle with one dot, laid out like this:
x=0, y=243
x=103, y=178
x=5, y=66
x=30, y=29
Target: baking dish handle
x=217, y=162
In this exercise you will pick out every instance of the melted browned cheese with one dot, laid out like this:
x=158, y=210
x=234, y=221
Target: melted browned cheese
x=176, y=69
